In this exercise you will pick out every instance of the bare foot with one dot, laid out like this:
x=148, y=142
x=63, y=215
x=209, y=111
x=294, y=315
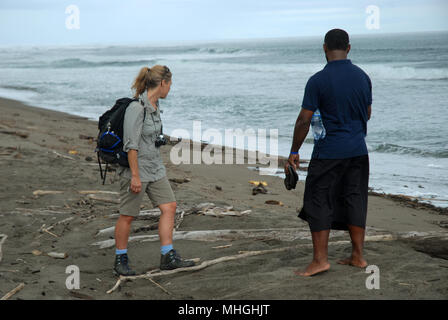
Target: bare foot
x=355, y=262
x=313, y=269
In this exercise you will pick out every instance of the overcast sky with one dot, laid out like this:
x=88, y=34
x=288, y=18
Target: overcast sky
x=25, y=22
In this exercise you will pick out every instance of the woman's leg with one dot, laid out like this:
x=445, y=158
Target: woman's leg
x=122, y=230
x=166, y=222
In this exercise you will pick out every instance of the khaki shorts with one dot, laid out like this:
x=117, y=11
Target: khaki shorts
x=159, y=192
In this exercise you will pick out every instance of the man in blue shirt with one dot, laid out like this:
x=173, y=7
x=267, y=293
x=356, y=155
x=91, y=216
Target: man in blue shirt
x=336, y=186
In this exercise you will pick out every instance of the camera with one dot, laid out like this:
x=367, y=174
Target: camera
x=160, y=141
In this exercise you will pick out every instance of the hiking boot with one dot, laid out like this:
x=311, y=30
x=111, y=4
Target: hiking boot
x=172, y=260
x=121, y=266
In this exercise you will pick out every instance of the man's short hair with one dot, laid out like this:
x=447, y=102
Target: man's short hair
x=337, y=39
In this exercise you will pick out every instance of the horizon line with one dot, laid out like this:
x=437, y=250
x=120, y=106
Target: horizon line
x=203, y=41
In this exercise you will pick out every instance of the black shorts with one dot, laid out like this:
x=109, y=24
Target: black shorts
x=336, y=193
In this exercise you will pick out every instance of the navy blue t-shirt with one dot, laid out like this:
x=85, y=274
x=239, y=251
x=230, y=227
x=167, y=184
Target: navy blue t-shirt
x=342, y=92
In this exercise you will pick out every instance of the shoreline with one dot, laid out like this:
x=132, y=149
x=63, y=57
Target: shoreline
x=411, y=201
x=53, y=201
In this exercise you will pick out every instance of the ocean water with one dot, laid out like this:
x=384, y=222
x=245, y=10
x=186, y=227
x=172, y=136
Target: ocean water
x=259, y=84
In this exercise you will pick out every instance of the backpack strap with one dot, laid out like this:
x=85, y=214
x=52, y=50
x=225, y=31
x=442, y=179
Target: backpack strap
x=144, y=109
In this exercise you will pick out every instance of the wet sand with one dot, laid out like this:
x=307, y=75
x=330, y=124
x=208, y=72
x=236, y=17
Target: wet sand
x=42, y=150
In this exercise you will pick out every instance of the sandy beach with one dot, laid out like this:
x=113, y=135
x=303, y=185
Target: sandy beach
x=52, y=151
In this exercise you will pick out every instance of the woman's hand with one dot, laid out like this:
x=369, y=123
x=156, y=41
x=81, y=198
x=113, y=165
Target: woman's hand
x=136, y=184
x=293, y=161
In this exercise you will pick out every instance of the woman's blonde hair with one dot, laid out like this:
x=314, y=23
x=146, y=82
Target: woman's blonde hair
x=149, y=78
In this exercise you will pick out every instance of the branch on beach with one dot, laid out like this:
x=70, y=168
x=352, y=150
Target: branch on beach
x=45, y=192
x=15, y=133
x=103, y=199
x=13, y=292
x=210, y=209
x=3, y=239
x=62, y=155
x=241, y=254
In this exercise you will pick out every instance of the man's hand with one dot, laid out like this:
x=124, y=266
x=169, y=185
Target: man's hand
x=293, y=160
x=136, y=185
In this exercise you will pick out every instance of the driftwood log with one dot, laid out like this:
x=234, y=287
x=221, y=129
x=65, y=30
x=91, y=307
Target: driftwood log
x=283, y=234
x=3, y=238
x=13, y=292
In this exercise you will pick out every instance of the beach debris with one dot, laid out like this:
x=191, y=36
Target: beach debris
x=41, y=211
x=219, y=188
x=45, y=192
x=3, y=238
x=210, y=209
x=79, y=295
x=47, y=230
x=282, y=234
x=443, y=224
x=222, y=247
x=13, y=292
x=274, y=202
x=178, y=221
x=88, y=158
x=159, y=286
x=15, y=133
x=103, y=199
x=57, y=255
x=73, y=152
x=98, y=191
x=180, y=180
x=259, y=187
x=62, y=155
x=84, y=137
x=152, y=214
x=36, y=252
x=257, y=183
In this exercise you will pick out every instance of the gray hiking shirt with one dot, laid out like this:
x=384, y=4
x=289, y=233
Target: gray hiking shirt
x=140, y=135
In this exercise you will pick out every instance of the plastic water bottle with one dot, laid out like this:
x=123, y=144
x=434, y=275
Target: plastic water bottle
x=317, y=126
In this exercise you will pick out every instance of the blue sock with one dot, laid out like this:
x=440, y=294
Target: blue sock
x=121, y=251
x=166, y=249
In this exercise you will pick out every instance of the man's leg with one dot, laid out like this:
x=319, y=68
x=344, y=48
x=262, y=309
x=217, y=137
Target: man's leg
x=356, y=259
x=320, y=254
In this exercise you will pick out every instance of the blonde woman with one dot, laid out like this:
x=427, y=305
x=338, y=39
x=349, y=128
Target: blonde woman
x=142, y=138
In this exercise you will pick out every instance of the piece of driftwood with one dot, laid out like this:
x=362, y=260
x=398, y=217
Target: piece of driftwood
x=51, y=233
x=111, y=242
x=57, y=255
x=13, y=292
x=210, y=209
x=159, y=286
x=79, y=295
x=44, y=192
x=103, y=199
x=282, y=234
x=178, y=222
x=153, y=214
x=23, y=135
x=42, y=211
x=98, y=191
x=285, y=234
x=3, y=238
x=222, y=247
x=63, y=156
